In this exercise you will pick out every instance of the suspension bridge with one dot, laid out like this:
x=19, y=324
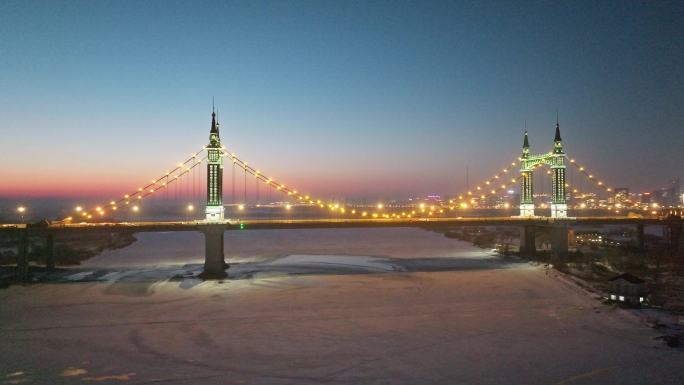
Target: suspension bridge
x=189, y=178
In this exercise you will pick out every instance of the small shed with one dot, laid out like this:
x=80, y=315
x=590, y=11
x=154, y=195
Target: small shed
x=628, y=289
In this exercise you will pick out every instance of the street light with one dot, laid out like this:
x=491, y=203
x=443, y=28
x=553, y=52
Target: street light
x=189, y=210
x=21, y=210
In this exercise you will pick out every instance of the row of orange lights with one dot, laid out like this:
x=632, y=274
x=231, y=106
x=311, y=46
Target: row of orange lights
x=590, y=176
x=306, y=199
x=143, y=191
x=169, y=178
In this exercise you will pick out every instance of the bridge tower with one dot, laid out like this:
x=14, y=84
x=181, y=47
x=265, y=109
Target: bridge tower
x=556, y=160
x=559, y=207
x=526, y=188
x=215, y=210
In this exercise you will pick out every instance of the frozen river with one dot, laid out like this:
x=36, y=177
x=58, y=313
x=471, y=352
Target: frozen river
x=153, y=249
x=378, y=306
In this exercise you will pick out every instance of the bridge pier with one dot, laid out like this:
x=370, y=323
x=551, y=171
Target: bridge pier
x=559, y=239
x=640, y=242
x=22, y=256
x=214, y=262
x=528, y=236
x=673, y=231
x=50, y=251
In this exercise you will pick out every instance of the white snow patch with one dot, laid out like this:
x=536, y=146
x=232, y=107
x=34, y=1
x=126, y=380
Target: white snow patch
x=372, y=263
x=79, y=276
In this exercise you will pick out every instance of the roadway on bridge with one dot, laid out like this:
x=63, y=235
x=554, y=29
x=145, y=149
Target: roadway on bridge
x=256, y=224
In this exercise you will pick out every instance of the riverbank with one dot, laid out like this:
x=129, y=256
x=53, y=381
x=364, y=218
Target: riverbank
x=69, y=249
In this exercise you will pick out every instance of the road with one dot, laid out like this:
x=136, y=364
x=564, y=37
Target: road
x=261, y=224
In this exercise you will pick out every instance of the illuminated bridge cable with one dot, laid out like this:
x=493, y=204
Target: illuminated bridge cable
x=501, y=185
x=309, y=200
x=177, y=177
x=590, y=176
x=232, y=191
x=302, y=198
x=166, y=177
x=160, y=183
x=493, y=185
x=485, y=187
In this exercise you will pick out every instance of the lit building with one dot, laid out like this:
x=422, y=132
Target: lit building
x=672, y=193
x=587, y=201
x=645, y=199
x=588, y=238
x=627, y=289
x=621, y=195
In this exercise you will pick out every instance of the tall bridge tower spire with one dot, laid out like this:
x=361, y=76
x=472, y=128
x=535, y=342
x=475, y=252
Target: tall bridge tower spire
x=215, y=210
x=559, y=207
x=526, y=187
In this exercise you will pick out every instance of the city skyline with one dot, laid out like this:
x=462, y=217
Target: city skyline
x=376, y=100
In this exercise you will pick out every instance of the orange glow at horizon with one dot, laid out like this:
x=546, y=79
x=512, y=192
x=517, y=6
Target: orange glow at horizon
x=90, y=184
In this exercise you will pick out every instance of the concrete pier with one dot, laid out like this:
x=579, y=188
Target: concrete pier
x=22, y=256
x=559, y=239
x=640, y=242
x=673, y=233
x=50, y=251
x=214, y=262
x=528, y=235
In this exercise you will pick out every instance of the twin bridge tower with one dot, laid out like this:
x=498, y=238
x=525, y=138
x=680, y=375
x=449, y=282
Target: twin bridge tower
x=215, y=212
x=556, y=160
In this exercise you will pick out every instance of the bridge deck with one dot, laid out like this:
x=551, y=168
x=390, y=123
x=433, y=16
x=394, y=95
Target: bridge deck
x=159, y=226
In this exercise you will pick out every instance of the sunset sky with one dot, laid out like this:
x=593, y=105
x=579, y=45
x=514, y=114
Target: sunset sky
x=338, y=98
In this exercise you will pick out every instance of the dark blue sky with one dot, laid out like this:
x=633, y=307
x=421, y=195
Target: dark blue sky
x=340, y=98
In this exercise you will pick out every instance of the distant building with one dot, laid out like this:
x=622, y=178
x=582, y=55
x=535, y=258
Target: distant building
x=646, y=198
x=588, y=238
x=672, y=212
x=669, y=196
x=673, y=193
x=587, y=201
x=628, y=289
x=621, y=195
x=434, y=198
